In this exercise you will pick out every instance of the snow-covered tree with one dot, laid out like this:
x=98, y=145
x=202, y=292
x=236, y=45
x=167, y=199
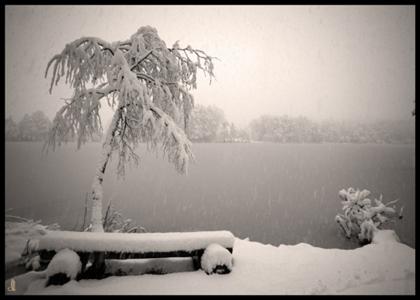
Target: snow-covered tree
x=363, y=217
x=41, y=125
x=224, y=132
x=11, y=130
x=146, y=83
x=206, y=123
x=32, y=127
x=26, y=129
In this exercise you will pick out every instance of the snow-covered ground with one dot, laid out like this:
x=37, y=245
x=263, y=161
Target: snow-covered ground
x=16, y=236
x=383, y=267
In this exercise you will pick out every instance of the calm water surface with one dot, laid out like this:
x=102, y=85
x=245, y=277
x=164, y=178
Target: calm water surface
x=271, y=193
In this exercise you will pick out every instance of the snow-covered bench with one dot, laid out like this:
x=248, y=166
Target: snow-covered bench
x=133, y=245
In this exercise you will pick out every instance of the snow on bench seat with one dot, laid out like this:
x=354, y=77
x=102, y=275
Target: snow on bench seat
x=134, y=242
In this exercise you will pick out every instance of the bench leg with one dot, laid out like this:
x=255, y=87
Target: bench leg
x=197, y=262
x=97, y=270
x=84, y=258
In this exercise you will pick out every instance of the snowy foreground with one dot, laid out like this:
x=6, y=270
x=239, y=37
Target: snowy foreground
x=383, y=267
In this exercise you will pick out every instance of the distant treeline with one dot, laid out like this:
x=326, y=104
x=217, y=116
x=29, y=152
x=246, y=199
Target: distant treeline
x=208, y=124
x=31, y=128
x=285, y=129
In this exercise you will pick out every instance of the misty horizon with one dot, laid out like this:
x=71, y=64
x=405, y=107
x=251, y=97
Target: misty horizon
x=247, y=124
x=350, y=63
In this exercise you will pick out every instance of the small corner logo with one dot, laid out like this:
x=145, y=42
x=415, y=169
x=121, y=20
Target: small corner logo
x=12, y=286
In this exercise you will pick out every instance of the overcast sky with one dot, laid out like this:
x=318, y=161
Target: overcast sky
x=322, y=62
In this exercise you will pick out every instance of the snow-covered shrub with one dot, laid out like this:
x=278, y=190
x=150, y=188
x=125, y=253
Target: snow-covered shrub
x=33, y=263
x=216, y=259
x=363, y=217
x=115, y=222
x=65, y=262
x=22, y=237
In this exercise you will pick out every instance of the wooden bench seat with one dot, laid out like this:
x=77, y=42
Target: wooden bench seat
x=132, y=245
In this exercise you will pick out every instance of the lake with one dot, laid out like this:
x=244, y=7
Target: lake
x=271, y=193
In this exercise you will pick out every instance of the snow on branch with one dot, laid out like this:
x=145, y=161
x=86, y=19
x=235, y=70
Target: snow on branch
x=79, y=117
x=82, y=61
x=361, y=217
x=143, y=121
x=189, y=66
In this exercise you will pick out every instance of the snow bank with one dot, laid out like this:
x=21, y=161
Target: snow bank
x=215, y=255
x=385, y=236
x=383, y=268
x=138, y=242
x=22, y=282
x=65, y=261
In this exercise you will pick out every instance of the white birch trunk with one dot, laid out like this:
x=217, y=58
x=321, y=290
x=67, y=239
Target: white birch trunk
x=97, y=188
